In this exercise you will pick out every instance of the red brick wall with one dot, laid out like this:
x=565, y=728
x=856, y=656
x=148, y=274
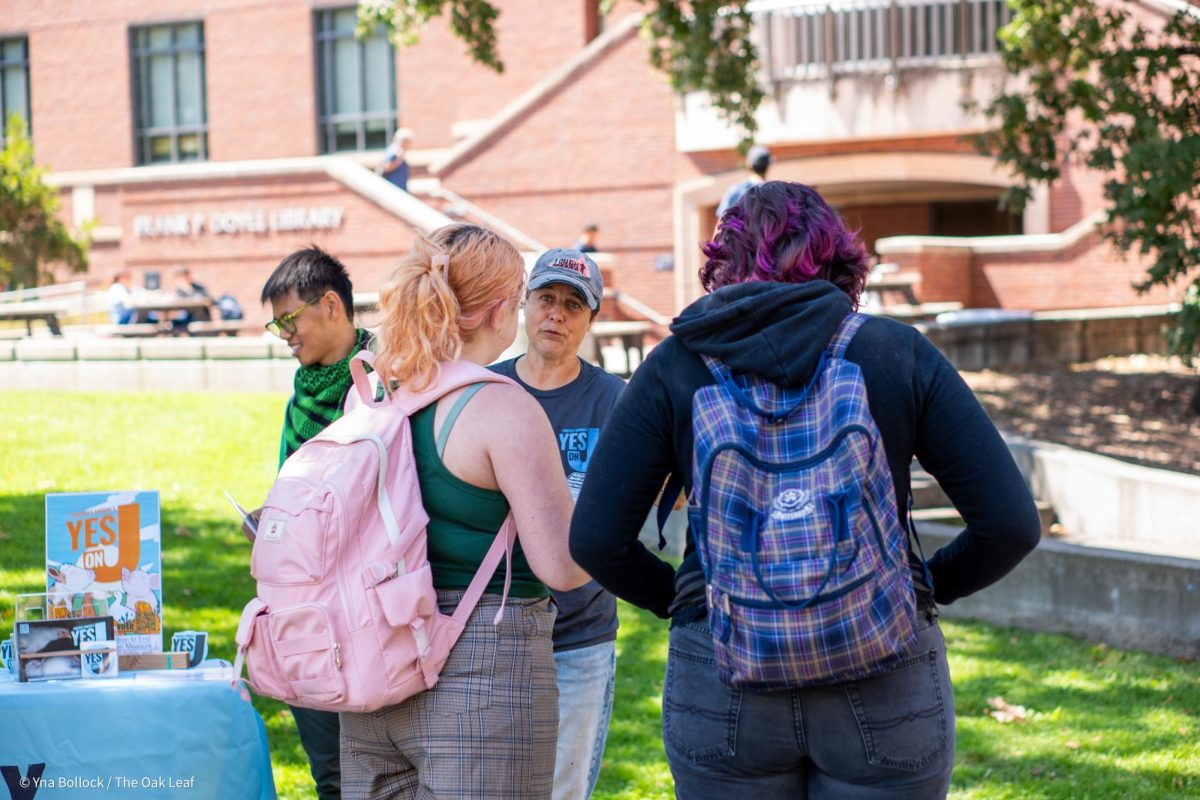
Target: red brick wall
x=946, y=274
x=79, y=122
x=1088, y=275
x=262, y=101
x=1078, y=193
x=601, y=151
x=260, y=68
x=439, y=83
x=368, y=242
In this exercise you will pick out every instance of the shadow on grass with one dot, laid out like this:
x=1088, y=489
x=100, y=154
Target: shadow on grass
x=1101, y=722
x=984, y=770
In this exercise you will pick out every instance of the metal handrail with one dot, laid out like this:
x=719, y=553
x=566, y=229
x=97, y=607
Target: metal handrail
x=637, y=307
x=43, y=292
x=515, y=235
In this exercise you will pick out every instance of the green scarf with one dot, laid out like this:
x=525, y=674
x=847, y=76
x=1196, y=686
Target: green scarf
x=319, y=392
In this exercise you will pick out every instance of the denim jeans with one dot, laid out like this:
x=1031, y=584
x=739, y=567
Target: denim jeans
x=887, y=736
x=585, y=701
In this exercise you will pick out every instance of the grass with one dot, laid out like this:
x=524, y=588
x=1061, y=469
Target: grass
x=1097, y=723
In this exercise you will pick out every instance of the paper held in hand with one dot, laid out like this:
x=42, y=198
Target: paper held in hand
x=251, y=523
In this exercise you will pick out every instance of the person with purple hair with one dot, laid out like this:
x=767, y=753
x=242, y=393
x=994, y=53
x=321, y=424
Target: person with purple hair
x=782, y=273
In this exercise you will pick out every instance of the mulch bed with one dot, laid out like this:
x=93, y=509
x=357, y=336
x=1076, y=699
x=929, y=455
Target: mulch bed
x=1135, y=408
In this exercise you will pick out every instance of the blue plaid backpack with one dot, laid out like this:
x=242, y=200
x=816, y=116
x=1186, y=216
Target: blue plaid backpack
x=794, y=516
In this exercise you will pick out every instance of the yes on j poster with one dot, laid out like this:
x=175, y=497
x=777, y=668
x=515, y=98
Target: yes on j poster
x=107, y=546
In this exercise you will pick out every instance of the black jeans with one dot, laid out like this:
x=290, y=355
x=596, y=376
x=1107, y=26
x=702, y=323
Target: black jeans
x=320, y=734
x=886, y=737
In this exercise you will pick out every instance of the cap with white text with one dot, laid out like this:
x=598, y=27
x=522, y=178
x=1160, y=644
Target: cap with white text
x=572, y=268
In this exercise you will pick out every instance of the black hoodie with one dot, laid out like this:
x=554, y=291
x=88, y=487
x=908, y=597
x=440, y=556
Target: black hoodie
x=777, y=331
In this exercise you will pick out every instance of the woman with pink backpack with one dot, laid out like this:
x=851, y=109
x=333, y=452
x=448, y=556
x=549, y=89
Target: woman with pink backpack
x=488, y=727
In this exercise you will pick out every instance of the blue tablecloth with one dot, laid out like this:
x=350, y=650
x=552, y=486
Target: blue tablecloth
x=186, y=734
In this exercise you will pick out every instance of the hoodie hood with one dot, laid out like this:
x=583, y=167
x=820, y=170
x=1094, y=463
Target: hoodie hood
x=774, y=330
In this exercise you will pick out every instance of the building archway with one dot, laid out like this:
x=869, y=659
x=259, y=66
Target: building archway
x=900, y=180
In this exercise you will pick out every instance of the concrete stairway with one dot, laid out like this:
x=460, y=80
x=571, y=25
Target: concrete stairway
x=930, y=504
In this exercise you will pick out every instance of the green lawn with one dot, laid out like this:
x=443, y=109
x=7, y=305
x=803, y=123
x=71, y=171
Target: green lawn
x=1098, y=723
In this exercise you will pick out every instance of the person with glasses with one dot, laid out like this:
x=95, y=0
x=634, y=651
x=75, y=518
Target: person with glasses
x=312, y=299
x=313, y=303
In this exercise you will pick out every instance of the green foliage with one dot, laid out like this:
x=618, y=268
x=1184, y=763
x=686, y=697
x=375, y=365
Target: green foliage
x=31, y=237
x=707, y=47
x=1123, y=98
x=473, y=21
x=702, y=46
x=1098, y=722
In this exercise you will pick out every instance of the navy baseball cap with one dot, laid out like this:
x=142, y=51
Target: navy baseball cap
x=758, y=158
x=571, y=267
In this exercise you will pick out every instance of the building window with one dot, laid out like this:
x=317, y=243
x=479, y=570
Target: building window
x=14, y=81
x=356, y=84
x=170, y=113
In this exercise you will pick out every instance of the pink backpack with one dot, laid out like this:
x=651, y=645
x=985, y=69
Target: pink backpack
x=346, y=617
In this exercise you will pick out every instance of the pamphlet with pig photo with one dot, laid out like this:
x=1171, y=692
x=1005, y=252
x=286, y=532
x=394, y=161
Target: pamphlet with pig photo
x=107, y=546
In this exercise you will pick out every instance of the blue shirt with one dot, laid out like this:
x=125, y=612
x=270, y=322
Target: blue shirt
x=577, y=412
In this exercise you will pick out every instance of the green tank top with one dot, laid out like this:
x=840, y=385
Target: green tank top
x=463, y=519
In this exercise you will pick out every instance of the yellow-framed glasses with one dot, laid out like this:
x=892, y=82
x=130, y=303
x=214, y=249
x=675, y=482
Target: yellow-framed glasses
x=286, y=323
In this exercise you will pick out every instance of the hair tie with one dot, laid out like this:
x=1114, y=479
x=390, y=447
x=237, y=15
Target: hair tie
x=442, y=260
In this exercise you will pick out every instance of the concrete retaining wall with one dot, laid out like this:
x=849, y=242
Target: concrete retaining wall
x=1103, y=502
x=1127, y=600
x=1127, y=573
x=1053, y=337
x=183, y=365
x=265, y=364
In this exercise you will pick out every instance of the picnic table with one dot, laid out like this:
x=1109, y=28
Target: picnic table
x=45, y=311
x=145, y=304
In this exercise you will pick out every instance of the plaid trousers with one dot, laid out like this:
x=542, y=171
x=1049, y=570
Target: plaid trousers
x=488, y=729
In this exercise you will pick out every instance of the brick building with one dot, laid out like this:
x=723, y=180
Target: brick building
x=222, y=134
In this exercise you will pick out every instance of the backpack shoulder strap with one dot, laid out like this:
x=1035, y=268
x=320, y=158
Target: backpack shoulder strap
x=845, y=333
x=451, y=375
x=502, y=547
x=455, y=410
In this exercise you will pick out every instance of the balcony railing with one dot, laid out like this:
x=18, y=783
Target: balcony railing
x=803, y=40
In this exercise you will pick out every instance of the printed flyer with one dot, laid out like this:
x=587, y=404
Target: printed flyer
x=51, y=649
x=107, y=546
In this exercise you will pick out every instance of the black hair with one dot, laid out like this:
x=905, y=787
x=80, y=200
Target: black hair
x=310, y=272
